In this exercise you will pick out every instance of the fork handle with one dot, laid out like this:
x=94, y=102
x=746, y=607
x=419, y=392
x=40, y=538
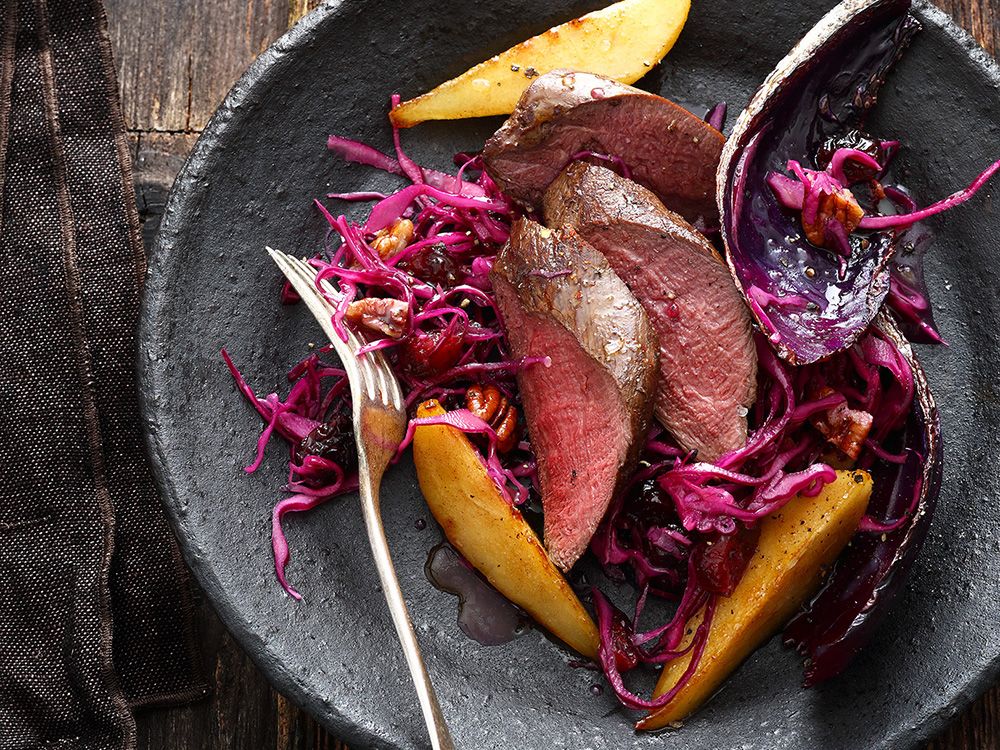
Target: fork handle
x=436, y=726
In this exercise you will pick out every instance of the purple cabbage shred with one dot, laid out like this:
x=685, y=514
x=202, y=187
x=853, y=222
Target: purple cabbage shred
x=414, y=278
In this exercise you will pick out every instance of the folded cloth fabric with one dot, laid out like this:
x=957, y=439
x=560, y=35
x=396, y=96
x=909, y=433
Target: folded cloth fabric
x=95, y=607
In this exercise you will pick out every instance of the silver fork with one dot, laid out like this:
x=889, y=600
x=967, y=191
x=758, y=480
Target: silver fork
x=379, y=427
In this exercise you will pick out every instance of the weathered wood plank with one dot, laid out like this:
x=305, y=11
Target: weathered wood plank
x=298, y=8
x=176, y=61
x=981, y=18
x=177, y=58
x=978, y=728
x=157, y=158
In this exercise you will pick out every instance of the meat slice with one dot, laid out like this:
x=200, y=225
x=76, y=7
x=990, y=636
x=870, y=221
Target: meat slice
x=708, y=362
x=586, y=413
x=563, y=113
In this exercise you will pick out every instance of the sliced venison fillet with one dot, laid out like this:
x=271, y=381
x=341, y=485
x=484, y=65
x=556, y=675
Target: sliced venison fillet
x=588, y=412
x=562, y=113
x=708, y=362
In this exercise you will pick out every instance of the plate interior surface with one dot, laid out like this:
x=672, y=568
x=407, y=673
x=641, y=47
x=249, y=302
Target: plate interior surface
x=251, y=180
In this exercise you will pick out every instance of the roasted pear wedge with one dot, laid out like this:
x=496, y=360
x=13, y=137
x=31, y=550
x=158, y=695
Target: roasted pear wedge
x=796, y=545
x=490, y=533
x=621, y=41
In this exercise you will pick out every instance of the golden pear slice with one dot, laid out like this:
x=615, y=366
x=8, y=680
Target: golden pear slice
x=795, y=546
x=490, y=533
x=622, y=41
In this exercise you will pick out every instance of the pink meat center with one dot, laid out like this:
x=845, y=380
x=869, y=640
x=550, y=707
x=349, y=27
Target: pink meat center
x=578, y=428
x=707, y=361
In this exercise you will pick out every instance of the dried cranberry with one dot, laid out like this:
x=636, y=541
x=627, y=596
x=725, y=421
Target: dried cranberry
x=650, y=505
x=851, y=139
x=626, y=655
x=334, y=441
x=288, y=294
x=433, y=264
x=425, y=355
x=719, y=563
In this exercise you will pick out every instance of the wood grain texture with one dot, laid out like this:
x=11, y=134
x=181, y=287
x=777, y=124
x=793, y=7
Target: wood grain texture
x=177, y=59
x=981, y=18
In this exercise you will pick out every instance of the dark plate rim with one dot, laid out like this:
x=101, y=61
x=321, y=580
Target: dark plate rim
x=184, y=193
x=184, y=196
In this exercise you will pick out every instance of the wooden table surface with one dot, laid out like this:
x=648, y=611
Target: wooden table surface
x=176, y=61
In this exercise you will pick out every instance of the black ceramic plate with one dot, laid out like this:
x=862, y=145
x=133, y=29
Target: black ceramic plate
x=250, y=182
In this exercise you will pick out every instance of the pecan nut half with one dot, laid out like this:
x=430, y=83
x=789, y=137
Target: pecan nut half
x=392, y=240
x=844, y=428
x=379, y=314
x=489, y=404
x=840, y=206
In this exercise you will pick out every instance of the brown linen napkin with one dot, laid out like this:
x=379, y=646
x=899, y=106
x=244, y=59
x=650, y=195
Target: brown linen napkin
x=95, y=610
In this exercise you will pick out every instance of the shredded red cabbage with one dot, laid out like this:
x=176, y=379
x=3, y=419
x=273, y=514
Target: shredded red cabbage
x=806, y=190
x=615, y=163
x=319, y=392
x=898, y=221
x=427, y=248
x=655, y=524
x=716, y=116
x=414, y=277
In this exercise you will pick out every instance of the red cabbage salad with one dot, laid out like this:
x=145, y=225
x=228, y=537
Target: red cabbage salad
x=414, y=277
